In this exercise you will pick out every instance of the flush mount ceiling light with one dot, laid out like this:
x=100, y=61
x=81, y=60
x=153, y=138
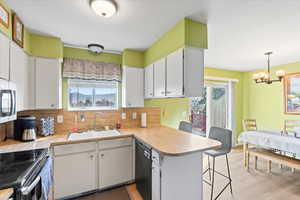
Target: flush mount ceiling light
x=95, y=48
x=265, y=77
x=104, y=8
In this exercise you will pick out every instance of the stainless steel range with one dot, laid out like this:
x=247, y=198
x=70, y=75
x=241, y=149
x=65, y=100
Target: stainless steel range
x=20, y=170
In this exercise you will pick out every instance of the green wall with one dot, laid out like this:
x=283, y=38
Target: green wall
x=172, y=109
x=84, y=54
x=133, y=58
x=265, y=103
x=45, y=46
x=185, y=32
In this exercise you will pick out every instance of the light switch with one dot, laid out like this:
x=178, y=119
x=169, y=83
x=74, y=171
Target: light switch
x=123, y=116
x=60, y=119
x=134, y=115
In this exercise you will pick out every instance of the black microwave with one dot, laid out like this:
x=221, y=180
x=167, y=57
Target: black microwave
x=8, y=102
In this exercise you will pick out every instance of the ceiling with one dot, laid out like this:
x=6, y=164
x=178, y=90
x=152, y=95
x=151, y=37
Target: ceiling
x=239, y=31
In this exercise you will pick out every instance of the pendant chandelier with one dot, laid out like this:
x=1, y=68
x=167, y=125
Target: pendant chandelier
x=265, y=77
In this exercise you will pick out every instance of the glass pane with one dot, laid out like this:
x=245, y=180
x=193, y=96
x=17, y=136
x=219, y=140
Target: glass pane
x=198, y=112
x=80, y=97
x=219, y=107
x=106, y=97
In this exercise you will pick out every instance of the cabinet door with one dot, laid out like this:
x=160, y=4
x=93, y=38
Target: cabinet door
x=47, y=83
x=4, y=57
x=175, y=74
x=160, y=78
x=18, y=73
x=115, y=166
x=74, y=174
x=149, y=81
x=133, y=87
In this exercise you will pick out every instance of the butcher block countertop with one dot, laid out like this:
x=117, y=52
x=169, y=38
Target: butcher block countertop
x=6, y=193
x=166, y=140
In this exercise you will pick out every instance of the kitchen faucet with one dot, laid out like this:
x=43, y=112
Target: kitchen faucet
x=95, y=117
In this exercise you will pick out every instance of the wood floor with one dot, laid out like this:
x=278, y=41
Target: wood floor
x=253, y=185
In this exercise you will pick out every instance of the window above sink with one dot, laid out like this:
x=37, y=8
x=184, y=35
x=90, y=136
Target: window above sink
x=92, y=95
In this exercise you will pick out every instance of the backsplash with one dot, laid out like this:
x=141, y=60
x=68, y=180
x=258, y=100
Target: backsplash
x=107, y=117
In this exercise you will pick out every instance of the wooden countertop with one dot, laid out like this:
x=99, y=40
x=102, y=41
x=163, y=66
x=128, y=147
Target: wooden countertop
x=6, y=193
x=163, y=139
x=171, y=141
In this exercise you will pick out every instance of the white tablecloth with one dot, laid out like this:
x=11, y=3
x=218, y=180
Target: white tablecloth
x=272, y=139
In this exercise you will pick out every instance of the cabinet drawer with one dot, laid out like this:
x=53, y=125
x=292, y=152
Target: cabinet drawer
x=105, y=144
x=74, y=148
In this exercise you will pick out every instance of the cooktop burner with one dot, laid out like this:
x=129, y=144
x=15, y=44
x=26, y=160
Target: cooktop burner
x=16, y=166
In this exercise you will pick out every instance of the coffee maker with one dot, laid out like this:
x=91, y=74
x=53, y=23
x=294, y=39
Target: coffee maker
x=24, y=128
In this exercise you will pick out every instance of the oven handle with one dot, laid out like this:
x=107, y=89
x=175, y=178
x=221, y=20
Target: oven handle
x=26, y=190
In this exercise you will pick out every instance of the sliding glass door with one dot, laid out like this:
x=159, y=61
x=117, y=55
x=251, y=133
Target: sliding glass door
x=211, y=109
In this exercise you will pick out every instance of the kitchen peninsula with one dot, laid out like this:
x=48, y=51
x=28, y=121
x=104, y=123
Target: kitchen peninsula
x=178, y=156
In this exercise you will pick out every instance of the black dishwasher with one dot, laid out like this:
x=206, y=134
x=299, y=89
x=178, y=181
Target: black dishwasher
x=143, y=170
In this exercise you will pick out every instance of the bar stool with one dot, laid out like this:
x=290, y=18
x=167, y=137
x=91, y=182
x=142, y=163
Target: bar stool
x=225, y=137
x=185, y=126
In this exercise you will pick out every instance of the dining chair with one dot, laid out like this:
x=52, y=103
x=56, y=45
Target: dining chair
x=289, y=125
x=249, y=125
x=225, y=137
x=186, y=126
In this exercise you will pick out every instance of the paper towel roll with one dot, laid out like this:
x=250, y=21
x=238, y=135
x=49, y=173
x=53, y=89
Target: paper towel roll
x=144, y=120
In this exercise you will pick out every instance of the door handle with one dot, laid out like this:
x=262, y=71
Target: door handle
x=26, y=190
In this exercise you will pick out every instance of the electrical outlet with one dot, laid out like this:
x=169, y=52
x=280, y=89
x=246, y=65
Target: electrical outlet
x=134, y=115
x=123, y=116
x=60, y=119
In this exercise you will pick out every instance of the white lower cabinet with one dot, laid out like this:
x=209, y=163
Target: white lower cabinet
x=85, y=167
x=115, y=166
x=74, y=174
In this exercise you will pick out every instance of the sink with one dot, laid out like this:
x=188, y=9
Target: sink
x=93, y=134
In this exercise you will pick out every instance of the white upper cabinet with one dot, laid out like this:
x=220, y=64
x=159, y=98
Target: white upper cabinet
x=174, y=72
x=180, y=74
x=160, y=78
x=4, y=57
x=48, y=83
x=132, y=87
x=18, y=74
x=149, y=93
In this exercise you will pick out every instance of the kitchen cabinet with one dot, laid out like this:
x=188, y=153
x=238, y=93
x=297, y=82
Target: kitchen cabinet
x=115, y=166
x=168, y=181
x=160, y=78
x=149, y=70
x=4, y=57
x=132, y=87
x=174, y=71
x=180, y=74
x=75, y=169
x=19, y=74
x=48, y=83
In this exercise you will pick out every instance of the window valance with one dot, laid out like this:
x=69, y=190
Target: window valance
x=85, y=69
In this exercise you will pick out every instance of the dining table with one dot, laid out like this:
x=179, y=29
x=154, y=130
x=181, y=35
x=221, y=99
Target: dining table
x=271, y=139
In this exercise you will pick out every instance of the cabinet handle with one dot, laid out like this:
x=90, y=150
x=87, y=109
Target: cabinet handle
x=162, y=92
x=168, y=92
x=102, y=155
x=92, y=157
x=52, y=105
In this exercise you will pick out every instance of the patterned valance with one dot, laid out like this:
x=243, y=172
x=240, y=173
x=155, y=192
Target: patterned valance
x=85, y=69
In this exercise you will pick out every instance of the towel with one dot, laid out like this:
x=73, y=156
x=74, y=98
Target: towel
x=46, y=178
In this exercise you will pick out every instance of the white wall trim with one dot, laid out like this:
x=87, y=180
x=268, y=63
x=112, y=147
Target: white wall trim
x=215, y=78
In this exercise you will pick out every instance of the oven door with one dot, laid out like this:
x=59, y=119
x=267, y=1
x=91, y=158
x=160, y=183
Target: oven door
x=7, y=103
x=33, y=191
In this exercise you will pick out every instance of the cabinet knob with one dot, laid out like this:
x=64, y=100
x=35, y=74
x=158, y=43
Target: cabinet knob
x=102, y=155
x=162, y=92
x=92, y=157
x=168, y=92
x=52, y=105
